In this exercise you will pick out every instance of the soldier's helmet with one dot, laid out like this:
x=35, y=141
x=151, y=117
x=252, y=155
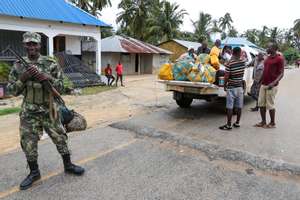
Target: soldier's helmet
x=31, y=37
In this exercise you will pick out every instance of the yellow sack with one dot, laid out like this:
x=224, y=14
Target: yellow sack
x=165, y=72
x=214, y=61
x=214, y=57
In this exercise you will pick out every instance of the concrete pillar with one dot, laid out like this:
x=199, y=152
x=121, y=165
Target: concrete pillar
x=98, y=55
x=50, y=45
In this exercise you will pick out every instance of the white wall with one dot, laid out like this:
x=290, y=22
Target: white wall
x=159, y=60
x=73, y=44
x=52, y=29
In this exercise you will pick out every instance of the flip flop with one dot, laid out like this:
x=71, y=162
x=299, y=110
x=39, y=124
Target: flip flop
x=236, y=125
x=260, y=125
x=225, y=127
x=270, y=126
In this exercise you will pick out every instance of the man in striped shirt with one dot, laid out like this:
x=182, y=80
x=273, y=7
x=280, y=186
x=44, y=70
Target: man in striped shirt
x=234, y=87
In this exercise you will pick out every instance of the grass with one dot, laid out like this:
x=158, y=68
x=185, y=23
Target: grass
x=7, y=111
x=96, y=90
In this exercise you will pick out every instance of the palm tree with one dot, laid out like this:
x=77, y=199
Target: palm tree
x=215, y=27
x=251, y=35
x=133, y=17
x=263, y=36
x=276, y=35
x=92, y=6
x=165, y=20
x=226, y=22
x=232, y=32
x=296, y=29
x=202, y=26
x=297, y=26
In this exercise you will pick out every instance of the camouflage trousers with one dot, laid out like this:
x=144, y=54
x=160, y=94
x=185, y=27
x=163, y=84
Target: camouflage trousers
x=31, y=129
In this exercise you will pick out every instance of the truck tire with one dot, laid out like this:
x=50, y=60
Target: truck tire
x=184, y=102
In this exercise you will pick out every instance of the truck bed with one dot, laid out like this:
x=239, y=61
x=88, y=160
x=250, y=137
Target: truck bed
x=197, y=88
x=189, y=84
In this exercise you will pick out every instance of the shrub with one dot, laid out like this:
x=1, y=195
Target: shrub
x=291, y=55
x=4, y=71
x=68, y=85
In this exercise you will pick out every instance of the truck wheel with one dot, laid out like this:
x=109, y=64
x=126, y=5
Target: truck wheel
x=184, y=102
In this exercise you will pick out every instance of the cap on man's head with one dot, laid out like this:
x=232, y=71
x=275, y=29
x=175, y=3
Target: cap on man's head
x=31, y=37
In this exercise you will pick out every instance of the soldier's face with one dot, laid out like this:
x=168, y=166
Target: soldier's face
x=32, y=48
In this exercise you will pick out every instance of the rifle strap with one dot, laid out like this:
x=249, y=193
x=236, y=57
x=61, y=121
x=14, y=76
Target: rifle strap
x=53, y=112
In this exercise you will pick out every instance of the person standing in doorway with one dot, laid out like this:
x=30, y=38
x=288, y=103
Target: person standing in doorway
x=109, y=76
x=119, y=70
x=273, y=73
x=234, y=86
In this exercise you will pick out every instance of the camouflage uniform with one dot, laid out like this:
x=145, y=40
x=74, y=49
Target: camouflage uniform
x=35, y=113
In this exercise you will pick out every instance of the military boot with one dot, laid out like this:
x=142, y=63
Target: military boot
x=33, y=176
x=70, y=167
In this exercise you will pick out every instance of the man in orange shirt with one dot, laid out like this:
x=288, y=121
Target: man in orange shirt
x=119, y=70
x=108, y=74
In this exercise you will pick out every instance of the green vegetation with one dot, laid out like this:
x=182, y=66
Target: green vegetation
x=7, y=111
x=291, y=55
x=92, y=6
x=4, y=71
x=156, y=21
x=68, y=85
x=96, y=90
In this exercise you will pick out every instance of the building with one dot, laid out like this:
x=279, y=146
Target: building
x=136, y=56
x=61, y=24
x=178, y=47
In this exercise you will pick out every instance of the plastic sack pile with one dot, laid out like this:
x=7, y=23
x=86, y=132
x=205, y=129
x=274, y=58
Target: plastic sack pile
x=189, y=69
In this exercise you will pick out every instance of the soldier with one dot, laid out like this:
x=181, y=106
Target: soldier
x=38, y=108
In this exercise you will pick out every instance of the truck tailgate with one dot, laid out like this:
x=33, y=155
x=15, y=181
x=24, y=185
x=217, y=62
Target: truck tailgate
x=191, y=87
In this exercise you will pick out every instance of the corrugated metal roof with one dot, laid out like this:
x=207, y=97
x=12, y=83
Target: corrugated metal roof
x=53, y=10
x=124, y=44
x=238, y=41
x=188, y=44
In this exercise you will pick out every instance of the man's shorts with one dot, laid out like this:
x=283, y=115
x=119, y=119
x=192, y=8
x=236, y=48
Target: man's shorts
x=235, y=98
x=266, y=97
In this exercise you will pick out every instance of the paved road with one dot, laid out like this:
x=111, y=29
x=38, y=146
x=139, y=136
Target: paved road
x=120, y=166
x=202, y=120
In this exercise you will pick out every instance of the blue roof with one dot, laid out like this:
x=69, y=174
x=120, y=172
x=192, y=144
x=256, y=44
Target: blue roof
x=238, y=41
x=53, y=10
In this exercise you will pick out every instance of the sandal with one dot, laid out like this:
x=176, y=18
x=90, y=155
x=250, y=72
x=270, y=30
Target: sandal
x=260, y=125
x=225, y=127
x=270, y=126
x=236, y=125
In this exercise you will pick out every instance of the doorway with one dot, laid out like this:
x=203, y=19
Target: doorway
x=137, y=63
x=59, y=44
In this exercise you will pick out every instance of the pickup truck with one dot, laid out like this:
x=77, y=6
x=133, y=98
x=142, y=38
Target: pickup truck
x=184, y=92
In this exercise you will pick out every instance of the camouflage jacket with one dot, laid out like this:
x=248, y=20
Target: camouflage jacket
x=36, y=98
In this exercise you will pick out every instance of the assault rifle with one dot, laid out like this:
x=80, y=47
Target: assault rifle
x=46, y=83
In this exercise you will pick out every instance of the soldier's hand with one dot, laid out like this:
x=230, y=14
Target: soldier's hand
x=32, y=71
x=43, y=77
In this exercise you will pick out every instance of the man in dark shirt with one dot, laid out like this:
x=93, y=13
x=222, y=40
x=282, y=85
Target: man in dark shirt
x=273, y=73
x=203, y=49
x=234, y=86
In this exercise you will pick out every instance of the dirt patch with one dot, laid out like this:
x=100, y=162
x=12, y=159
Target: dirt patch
x=141, y=95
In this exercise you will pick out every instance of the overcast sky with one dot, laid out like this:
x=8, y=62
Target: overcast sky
x=245, y=14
